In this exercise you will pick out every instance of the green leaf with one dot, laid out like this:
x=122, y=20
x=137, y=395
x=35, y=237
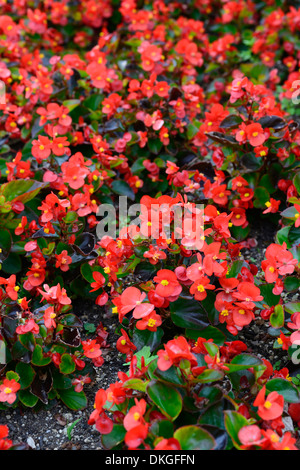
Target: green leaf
x=285, y=388
x=235, y=268
x=152, y=339
x=194, y=438
x=71, y=104
x=296, y=182
x=89, y=327
x=172, y=375
x=270, y=299
x=38, y=359
x=26, y=373
x=11, y=375
x=162, y=428
x=210, y=375
x=210, y=332
x=277, y=317
x=27, y=398
x=240, y=233
x=154, y=145
x=136, y=384
x=166, y=398
x=266, y=182
x=188, y=313
x=144, y=353
x=12, y=264
x=21, y=190
x=115, y=437
x=28, y=341
x=123, y=189
x=282, y=236
x=92, y=102
x=71, y=427
x=67, y=365
x=234, y=421
x=192, y=130
x=291, y=283
x=73, y=400
x=5, y=244
x=243, y=361
x=71, y=217
x=87, y=272
x=261, y=196
x=292, y=307
x=294, y=235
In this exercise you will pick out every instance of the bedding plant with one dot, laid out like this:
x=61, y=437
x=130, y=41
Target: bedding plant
x=173, y=105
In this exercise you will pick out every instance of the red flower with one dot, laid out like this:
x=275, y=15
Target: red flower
x=55, y=295
x=168, y=284
x=174, y=351
x=270, y=408
x=297, y=215
x=168, y=444
x=41, y=148
x=80, y=381
x=154, y=254
x=49, y=316
x=151, y=322
x=99, y=281
x=98, y=417
x=124, y=345
x=255, y=134
x=63, y=260
x=250, y=436
x=135, y=425
x=11, y=288
x=272, y=206
x=30, y=325
x=198, y=289
x=248, y=293
x=132, y=299
x=91, y=348
x=8, y=391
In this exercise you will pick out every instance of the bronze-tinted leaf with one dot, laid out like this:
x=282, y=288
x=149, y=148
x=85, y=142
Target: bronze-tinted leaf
x=42, y=384
x=85, y=243
x=275, y=122
x=69, y=336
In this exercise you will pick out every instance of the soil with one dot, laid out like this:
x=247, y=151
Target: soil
x=47, y=429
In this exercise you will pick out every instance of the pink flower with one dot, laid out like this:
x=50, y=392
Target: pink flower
x=8, y=391
x=132, y=299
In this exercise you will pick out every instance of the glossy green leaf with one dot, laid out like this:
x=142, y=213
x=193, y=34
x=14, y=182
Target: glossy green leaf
x=234, y=422
x=194, y=438
x=166, y=398
x=285, y=388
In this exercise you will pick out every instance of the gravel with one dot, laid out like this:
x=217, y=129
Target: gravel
x=46, y=429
